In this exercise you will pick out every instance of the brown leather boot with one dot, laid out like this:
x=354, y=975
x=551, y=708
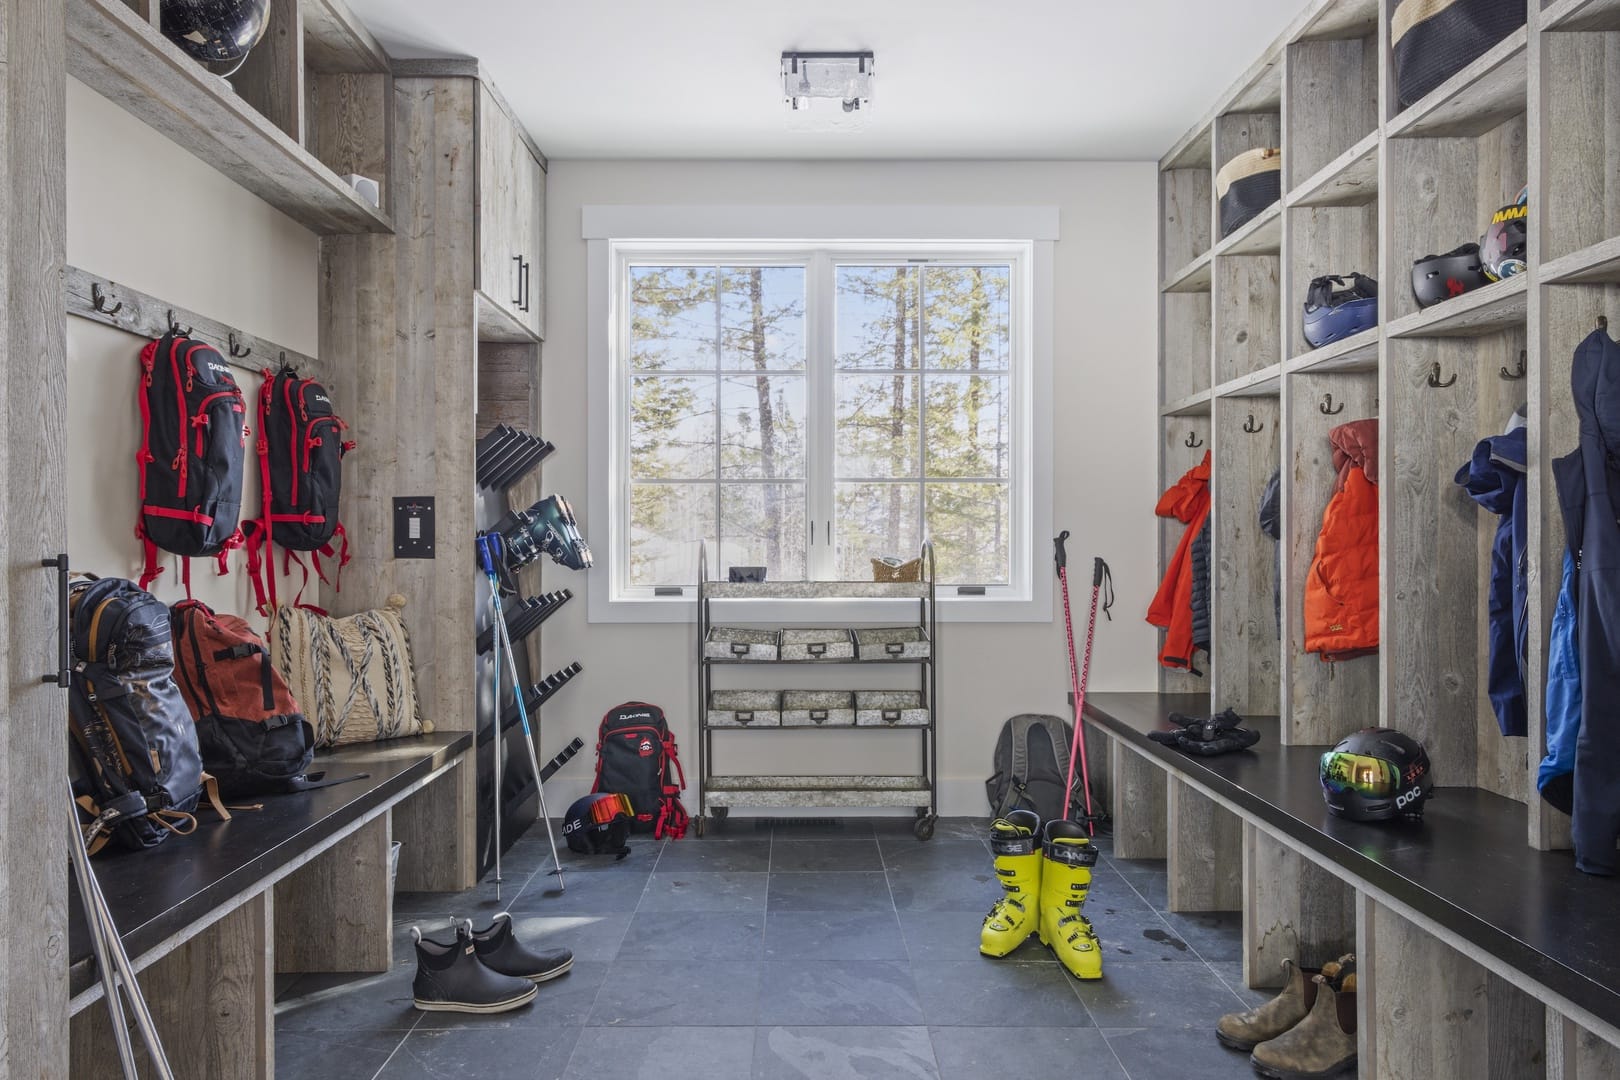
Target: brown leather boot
x=1321, y=1045
x=1245, y=1030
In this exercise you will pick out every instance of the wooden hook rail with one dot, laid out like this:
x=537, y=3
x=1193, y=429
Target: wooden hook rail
x=92, y=297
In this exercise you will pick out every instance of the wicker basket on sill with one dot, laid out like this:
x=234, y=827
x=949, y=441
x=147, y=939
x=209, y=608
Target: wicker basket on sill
x=906, y=571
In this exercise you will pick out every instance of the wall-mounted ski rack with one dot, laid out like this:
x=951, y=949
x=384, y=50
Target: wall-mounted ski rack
x=505, y=455
x=541, y=692
x=92, y=297
x=525, y=617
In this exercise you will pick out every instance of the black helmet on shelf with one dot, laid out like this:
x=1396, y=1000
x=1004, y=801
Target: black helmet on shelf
x=1376, y=774
x=599, y=824
x=1436, y=278
x=1502, y=248
x=215, y=31
x=1334, y=310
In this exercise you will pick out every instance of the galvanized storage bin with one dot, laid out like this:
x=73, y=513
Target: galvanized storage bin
x=818, y=708
x=745, y=708
x=735, y=643
x=892, y=643
x=811, y=644
x=890, y=708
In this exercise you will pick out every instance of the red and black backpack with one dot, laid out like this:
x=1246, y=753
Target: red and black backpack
x=634, y=752
x=190, y=460
x=301, y=449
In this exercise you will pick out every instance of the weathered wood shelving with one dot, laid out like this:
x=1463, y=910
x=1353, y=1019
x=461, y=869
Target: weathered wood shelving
x=1371, y=186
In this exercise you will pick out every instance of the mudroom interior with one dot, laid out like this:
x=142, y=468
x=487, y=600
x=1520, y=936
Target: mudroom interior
x=828, y=541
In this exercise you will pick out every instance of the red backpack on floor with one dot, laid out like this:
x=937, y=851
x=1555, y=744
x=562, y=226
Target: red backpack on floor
x=301, y=449
x=634, y=752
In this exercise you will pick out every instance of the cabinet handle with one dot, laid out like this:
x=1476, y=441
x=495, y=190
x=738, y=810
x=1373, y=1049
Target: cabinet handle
x=527, y=266
x=64, y=662
x=517, y=301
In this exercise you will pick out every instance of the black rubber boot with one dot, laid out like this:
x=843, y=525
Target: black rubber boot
x=500, y=950
x=451, y=978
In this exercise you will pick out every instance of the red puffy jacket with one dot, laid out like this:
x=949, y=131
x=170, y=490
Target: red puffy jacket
x=1188, y=501
x=1341, y=591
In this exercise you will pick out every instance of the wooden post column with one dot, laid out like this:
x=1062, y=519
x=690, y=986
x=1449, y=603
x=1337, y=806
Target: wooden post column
x=336, y=912
x=1138, y=787
x=1292, y=909
x=1205, y=852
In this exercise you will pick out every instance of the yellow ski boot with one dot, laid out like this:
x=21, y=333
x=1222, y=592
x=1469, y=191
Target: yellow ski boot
x=1067, y=856
x=1016, y=915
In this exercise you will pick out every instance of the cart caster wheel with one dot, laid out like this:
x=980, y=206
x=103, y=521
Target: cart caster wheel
x=924, y=829
x=719, y=812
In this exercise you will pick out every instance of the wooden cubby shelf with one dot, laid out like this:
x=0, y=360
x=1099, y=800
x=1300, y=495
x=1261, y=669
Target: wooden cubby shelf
x=1351, y=179
x=1195, y=277
x=124, y=58
x=1262, y=236
x=1581, y=15
x=1476, y=99
x=1266, y=382
x=1358, y=352
x=1598, y=264
x=1191, y=405
x=1498, y=306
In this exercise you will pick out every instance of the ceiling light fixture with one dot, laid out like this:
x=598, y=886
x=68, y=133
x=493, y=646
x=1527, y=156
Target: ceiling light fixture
x=838, y=76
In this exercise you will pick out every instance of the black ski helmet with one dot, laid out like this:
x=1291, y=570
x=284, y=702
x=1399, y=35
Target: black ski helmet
x=1376, y=774
x=1440, y=277
x=599, y=823
x=215, y=31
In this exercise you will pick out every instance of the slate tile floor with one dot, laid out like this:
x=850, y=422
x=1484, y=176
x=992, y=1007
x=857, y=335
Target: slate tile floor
x=787, y=951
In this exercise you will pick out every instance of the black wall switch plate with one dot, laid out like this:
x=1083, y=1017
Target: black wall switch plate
x=413, y=527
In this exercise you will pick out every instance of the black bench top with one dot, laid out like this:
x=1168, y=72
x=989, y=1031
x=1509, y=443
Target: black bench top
x=155, y=894
x=1467, y=866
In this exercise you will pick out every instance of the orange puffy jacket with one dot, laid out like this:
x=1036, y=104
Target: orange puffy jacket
x=1341, y=592
x=1171, y=610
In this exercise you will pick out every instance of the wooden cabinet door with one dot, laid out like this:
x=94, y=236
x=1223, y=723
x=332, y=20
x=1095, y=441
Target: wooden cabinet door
x=531, y=233
x=498, y=248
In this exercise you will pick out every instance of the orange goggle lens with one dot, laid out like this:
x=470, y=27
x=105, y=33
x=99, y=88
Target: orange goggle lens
x=1357, y=772
x=604, y=810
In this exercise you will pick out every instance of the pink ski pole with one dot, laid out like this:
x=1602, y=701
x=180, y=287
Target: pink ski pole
x=1079, y=678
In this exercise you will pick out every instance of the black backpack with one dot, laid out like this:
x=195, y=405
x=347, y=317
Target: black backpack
x=139, y=768
x=634, y=752
x=301, y=449
x=1032, y=768
x=190, y=461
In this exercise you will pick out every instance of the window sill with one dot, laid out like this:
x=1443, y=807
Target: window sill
x=841, y=612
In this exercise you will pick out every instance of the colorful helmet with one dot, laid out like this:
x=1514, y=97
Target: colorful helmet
x=1333, y=312
x=216, y=31
x=1436, y=278
x=1502, y=248
x=599, y=823
x=1376, y=774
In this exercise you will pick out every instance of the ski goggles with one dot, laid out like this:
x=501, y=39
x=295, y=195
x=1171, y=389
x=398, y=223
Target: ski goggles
x=605, y=809
x=1345, y=772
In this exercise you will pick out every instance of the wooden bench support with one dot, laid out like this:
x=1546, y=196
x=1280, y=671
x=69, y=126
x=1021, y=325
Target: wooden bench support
x=1426, y=1010
x=1292, y=909
x=1573, y=1053
x=335, y=912
x=1137, y=786
x=435, y=829
x=1204, y=845
x=213, y=999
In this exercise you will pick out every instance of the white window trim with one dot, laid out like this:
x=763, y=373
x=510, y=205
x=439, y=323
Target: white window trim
x=606, y=226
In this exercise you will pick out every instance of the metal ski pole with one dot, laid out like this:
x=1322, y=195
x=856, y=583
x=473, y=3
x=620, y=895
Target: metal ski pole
x=98, y=943
x=487, y=552
x=1078, y=679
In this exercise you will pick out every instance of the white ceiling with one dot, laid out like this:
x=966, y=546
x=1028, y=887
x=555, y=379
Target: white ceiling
x=1051, y=79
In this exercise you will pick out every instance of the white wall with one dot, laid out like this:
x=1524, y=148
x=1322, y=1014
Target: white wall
x=146, y=213
x=1105, y=386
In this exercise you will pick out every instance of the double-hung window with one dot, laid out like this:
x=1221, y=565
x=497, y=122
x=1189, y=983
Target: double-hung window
x=809, y=407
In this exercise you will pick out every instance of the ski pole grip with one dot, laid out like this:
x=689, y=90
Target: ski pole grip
x=486, y=553
x=1097, y=572
x=1058, y=552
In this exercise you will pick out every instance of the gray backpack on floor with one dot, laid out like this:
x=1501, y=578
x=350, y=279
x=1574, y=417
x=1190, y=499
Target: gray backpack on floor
x=1031, y=767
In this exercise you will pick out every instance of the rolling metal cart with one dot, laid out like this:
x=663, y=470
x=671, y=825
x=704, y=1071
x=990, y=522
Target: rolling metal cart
x=826, y=709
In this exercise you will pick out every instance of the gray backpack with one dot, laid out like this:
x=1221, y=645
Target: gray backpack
x=1032, y=767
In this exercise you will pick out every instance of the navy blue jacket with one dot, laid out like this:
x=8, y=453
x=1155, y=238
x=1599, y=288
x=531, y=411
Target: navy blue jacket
x=1556, y=777
x=1494, y=478
x=1585, y=482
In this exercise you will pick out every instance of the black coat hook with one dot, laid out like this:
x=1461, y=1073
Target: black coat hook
x=176, y=328
x=1327, y=406
x=1251, y=427
x=98, y=300
x=1434, y=378
x=1193, y=441
x=237, y=350
x=1514, y=376
x=1603, y=322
